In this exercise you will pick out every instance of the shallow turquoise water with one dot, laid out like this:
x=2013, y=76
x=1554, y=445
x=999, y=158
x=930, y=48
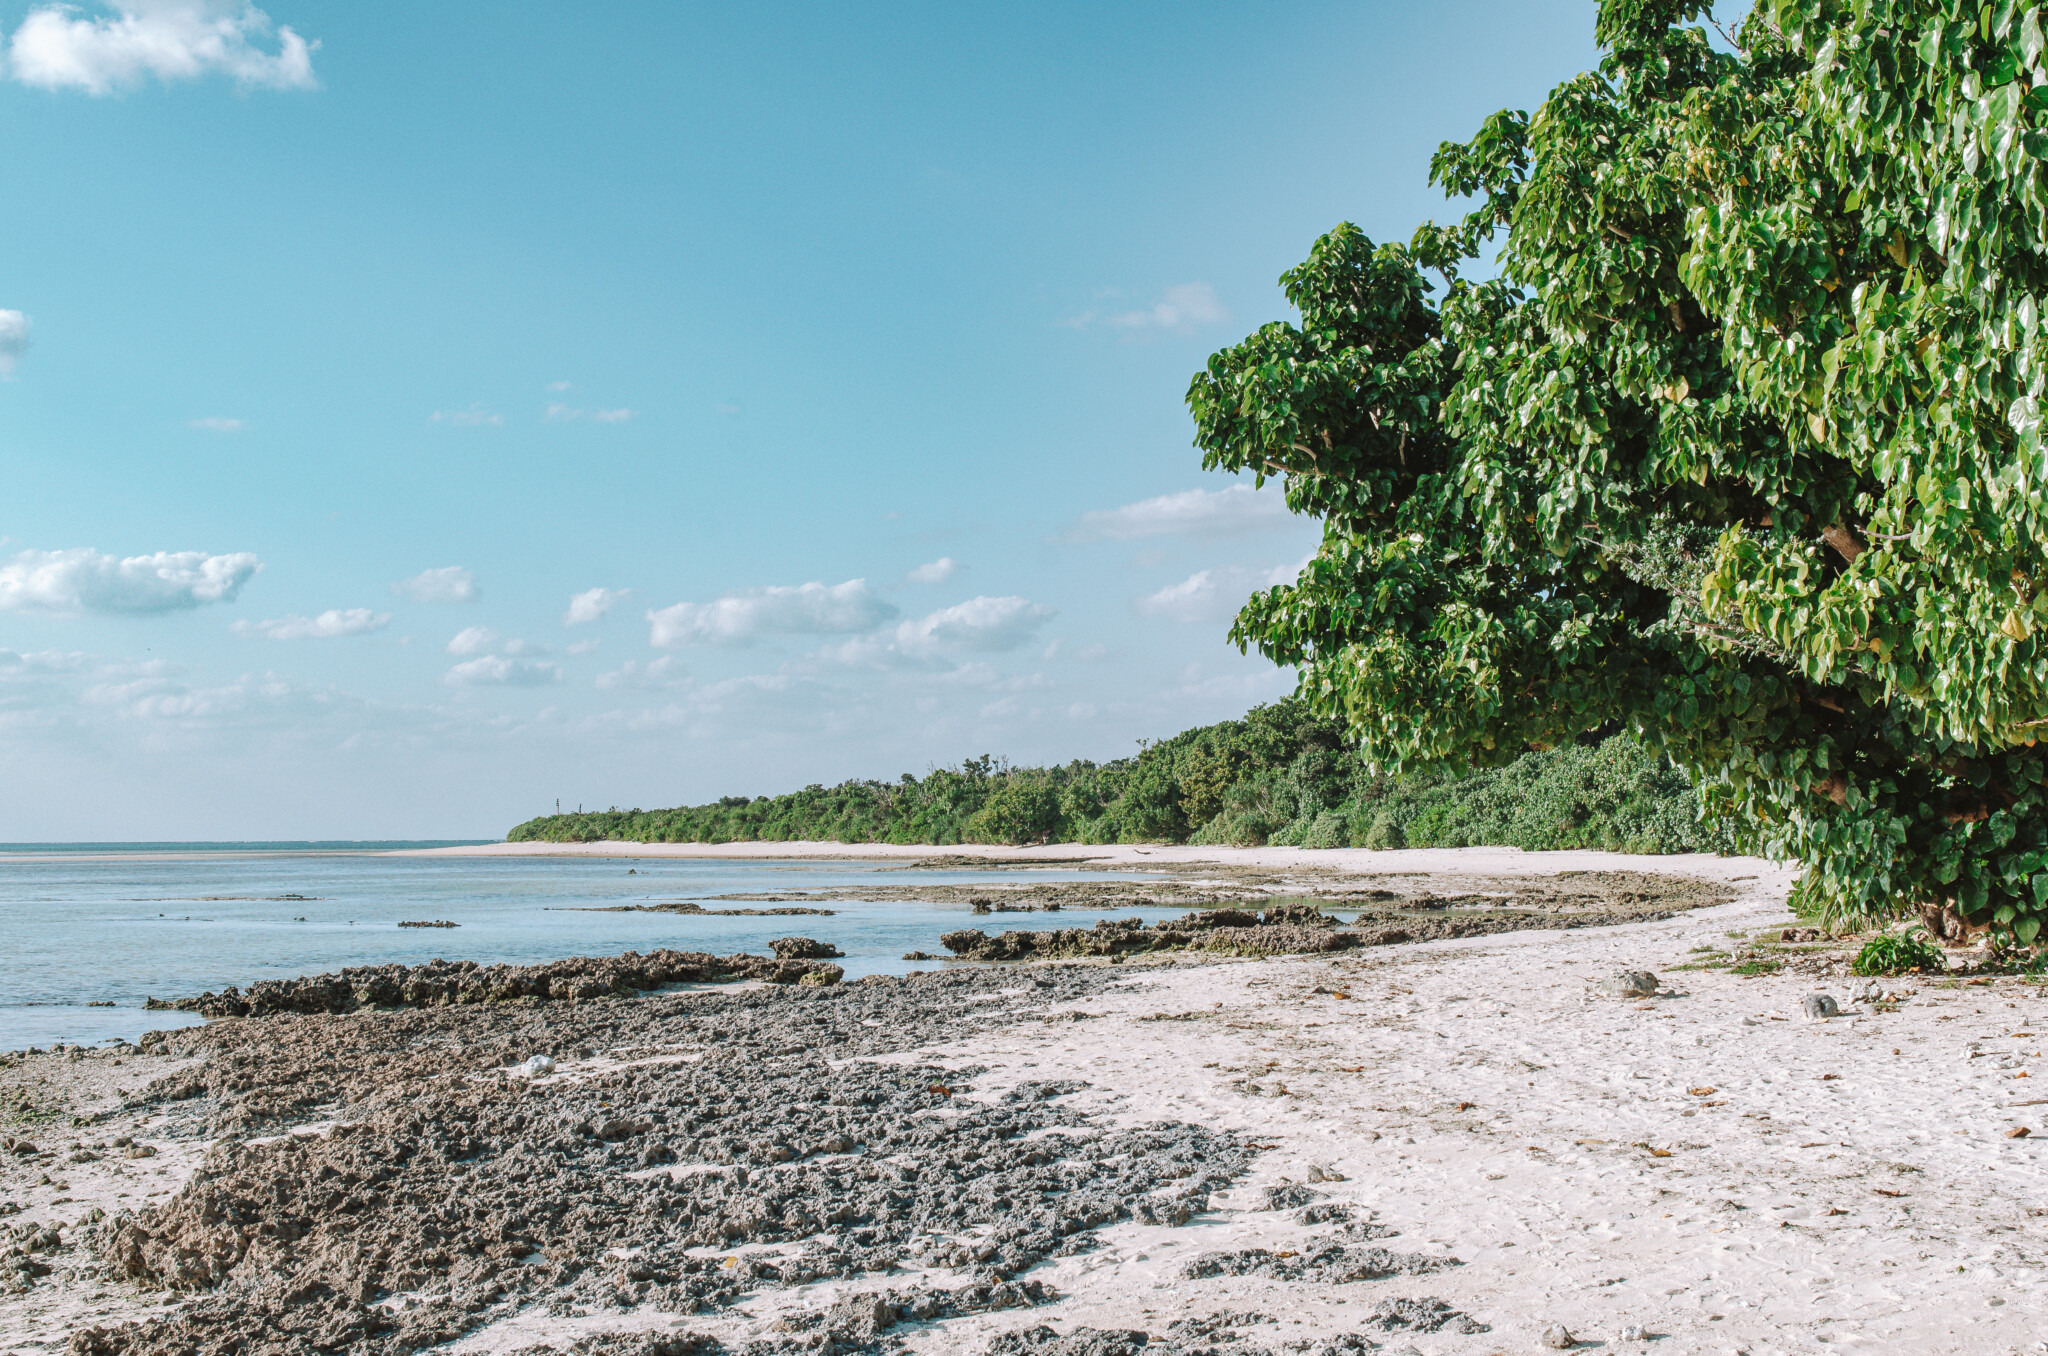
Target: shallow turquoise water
x=122, y=926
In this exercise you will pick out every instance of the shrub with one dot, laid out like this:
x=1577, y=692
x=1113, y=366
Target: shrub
x=1895, y=954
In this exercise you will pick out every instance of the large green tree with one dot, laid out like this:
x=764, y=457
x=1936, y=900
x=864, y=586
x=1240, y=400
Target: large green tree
x=1735, y=444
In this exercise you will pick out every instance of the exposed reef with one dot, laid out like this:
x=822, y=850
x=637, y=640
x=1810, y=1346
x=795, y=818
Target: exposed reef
x=681, y=1151
x=440, y=983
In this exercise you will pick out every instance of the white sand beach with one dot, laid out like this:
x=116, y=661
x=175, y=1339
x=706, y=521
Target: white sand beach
x=1702, y=1171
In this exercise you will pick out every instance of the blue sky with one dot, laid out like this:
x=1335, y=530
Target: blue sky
x=414, y=414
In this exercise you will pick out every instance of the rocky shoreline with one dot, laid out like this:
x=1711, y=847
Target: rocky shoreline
x=438, y=983
x=1171, y=1152
x=691, y=1148
x=1302, y=928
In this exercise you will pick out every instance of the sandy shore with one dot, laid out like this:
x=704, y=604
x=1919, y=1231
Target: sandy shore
x=1464, y=861
x=1705, y=1167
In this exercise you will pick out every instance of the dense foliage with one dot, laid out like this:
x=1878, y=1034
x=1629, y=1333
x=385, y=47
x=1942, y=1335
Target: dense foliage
x=1739, y=451
x=1280, y=775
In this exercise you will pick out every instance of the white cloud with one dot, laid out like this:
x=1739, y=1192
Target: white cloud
x=662, y=672
x=558, y=386
x=333, y=622
x=473, y=640
x=449, y=584
x=558, y=413
x=13, y=340
x=57, y=48
x=476, y=416
x=1177, y=308
x=1227, y=512
x=934, y=572
x=812, y=609
x=214, y=423
x=496, y=670
x=977, y=624
x=85, y=580
x=591, y=604
x=585, y=646
x=1180, y=308
x=1214, y=595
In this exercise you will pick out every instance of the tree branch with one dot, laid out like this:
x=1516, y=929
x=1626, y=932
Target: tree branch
x=1844, y=541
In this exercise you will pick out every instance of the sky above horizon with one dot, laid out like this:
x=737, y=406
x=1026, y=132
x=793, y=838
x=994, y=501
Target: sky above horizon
x=415, y=415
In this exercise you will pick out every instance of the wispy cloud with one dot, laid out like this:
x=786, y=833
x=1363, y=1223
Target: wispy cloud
x=812, y=609
x=1213, y=595
x=476, y=416
x=13, y=340
x=979, y=625
x=1180, y=308
x=57, y=48
x=214, y=423
x=1227, y=512
x=497, y=670
x=558, y=413
x=84, y=580
x=353, y=621
x=655, y=673
x=934, y=572
x=592, y=604
x=449, y=584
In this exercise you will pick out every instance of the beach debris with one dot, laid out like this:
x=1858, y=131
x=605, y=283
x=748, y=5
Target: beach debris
x=1819, y=1007
x=537, y=1066
x=1629, y=984
x=1558, y=1338
x=1317, y=1173
x=2018, y=1132
x=1636, y=1332
x=1421, y=1315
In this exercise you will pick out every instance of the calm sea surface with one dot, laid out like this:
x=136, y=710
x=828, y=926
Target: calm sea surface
x=120, y=923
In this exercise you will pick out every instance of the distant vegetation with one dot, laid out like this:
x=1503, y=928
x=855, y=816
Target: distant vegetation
x=1278, y=776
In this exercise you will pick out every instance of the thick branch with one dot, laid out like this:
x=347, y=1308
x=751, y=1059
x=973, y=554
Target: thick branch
x=1844, y=541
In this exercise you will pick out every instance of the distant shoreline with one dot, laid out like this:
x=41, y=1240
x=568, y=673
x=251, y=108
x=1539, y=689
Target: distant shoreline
x=1513, y=861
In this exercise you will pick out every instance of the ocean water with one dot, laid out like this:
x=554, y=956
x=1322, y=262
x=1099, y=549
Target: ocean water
x=84, y=924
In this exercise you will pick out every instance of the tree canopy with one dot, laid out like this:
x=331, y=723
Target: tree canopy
x=1735, y=444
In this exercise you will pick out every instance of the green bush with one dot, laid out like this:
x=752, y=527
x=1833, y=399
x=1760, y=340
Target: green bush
x=1018, y=811
x=1895, y=954
x=1327, y=830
